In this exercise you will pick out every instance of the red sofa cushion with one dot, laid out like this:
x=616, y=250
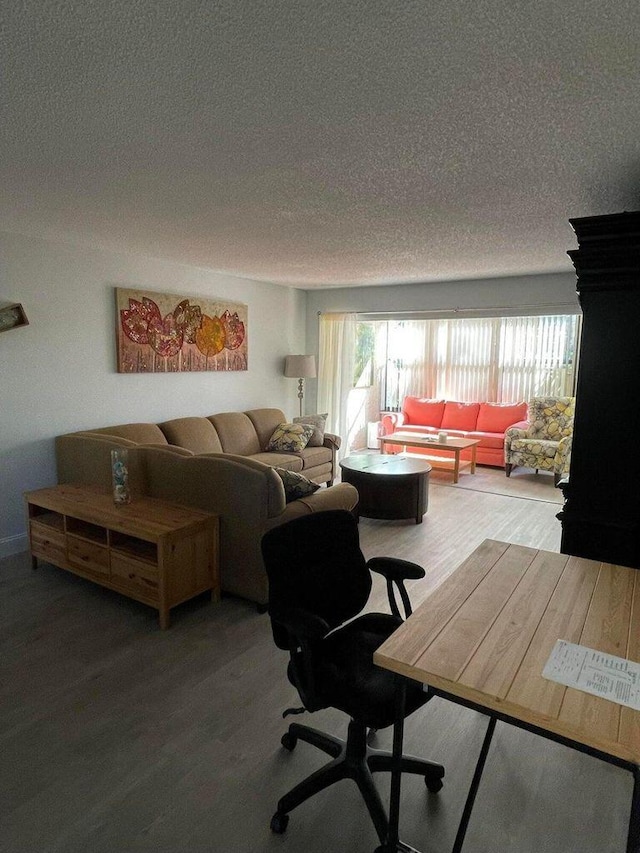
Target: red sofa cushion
x=493, y=440
x=497, y=417
x=418, y=410
x=460, y=416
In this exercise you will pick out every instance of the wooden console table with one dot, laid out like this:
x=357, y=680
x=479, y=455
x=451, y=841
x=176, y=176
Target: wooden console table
x=158, y=553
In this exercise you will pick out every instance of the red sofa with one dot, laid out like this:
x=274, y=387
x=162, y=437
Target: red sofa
x=486, y=422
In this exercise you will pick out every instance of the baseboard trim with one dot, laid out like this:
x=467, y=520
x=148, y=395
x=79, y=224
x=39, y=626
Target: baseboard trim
x=11, y=545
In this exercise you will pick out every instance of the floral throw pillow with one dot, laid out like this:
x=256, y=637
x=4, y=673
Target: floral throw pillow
x=318, y=422
x=295, y=485
x=290, y=437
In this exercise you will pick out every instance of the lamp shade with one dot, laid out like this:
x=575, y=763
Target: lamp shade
x=300, y=366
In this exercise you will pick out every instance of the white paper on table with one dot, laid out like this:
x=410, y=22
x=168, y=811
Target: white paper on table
x=607, y=676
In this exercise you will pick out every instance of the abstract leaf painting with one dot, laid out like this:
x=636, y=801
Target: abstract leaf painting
x=163, y=333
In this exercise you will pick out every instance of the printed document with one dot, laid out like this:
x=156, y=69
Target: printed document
x=600, y=674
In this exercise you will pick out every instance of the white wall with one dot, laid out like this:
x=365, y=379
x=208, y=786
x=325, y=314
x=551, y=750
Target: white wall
x=58, y=373
x=550, y=292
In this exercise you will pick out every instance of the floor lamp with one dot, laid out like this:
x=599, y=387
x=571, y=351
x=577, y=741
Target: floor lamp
x=300, y=367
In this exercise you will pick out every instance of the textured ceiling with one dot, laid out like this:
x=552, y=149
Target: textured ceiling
x=321, y=143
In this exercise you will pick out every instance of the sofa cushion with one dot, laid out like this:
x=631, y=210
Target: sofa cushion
x=457, y=433
x=295, y=485
x=461, y=416
x=318, y=422
x=264, y=422
x=290, y=437
x=140, y=433
x=494, y=440
x=418, y=410
x=195, y=434
x=290, y=461
x=497, y=417
x=314, y=456
x=237, y=433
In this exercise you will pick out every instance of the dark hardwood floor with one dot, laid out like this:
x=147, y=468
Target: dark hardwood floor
x=116, y=736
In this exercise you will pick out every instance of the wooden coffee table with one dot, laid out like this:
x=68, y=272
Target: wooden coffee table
x=453, y=445
x=389, y=487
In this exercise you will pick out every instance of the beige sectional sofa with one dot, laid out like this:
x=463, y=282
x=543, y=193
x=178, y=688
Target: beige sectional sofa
x=217, y=463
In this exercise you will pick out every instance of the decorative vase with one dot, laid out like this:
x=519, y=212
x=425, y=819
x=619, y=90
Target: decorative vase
x=120, y=476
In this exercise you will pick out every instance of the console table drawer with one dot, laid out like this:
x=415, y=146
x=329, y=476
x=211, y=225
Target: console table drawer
x=88, y=556
x=48, y=544
x=135, y=575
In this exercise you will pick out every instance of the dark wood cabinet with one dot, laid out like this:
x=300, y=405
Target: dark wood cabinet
x=602, y=496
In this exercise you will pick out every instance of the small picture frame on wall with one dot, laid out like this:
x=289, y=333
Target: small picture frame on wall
x=12, y=316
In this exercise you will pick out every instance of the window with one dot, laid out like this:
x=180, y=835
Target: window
x=499, y=359
x=364, y=355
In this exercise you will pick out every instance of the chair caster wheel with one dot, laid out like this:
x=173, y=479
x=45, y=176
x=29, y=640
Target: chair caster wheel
x=279, y=822
x=433, y=785
x=289, y=741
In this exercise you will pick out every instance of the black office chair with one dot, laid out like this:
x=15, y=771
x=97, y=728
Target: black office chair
x=318, y=581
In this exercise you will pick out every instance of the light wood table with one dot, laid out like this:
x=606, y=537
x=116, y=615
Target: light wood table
x=157, y=552
x=482, y=638
x=425, y=442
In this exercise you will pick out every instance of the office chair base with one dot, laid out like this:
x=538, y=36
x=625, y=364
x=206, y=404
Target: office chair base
x=352, y=759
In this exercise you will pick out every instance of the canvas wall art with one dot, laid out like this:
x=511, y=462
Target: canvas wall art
x=164, y=333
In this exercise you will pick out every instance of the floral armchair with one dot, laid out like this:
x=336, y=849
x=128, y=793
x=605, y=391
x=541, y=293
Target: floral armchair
x=542, y=442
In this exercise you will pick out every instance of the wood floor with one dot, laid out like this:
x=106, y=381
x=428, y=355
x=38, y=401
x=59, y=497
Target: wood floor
x=116, y=736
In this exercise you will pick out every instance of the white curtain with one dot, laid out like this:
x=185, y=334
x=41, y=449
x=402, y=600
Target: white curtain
x=533, y=356
x=336, y=368
x=415, y=343
x=467, y=359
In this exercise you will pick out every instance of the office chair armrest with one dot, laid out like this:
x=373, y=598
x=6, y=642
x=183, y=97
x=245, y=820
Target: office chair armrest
x=300, y=623
x=394, y=569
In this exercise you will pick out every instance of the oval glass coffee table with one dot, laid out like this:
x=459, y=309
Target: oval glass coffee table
x=390, y=487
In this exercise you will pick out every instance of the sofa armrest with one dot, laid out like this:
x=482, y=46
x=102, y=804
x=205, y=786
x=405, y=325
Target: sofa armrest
x=523, y=426
x=519, y=430
x=340, y=496
x=562, y=458
x=331, y=440
x=391, y=422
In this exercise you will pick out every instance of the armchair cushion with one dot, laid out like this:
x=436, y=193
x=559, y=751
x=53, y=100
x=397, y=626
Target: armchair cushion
x=533, y=453
x=551, y=417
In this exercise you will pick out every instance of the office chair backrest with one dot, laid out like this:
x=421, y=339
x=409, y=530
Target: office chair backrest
x=315, y=563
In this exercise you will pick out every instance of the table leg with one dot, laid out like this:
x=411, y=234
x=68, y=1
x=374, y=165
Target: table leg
x=633, y=836
x=456, y=465
x=473, y=790
x=393, y=843
x=473, y=459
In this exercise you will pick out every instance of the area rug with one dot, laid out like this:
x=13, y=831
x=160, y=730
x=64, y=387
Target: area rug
x=523, y=483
